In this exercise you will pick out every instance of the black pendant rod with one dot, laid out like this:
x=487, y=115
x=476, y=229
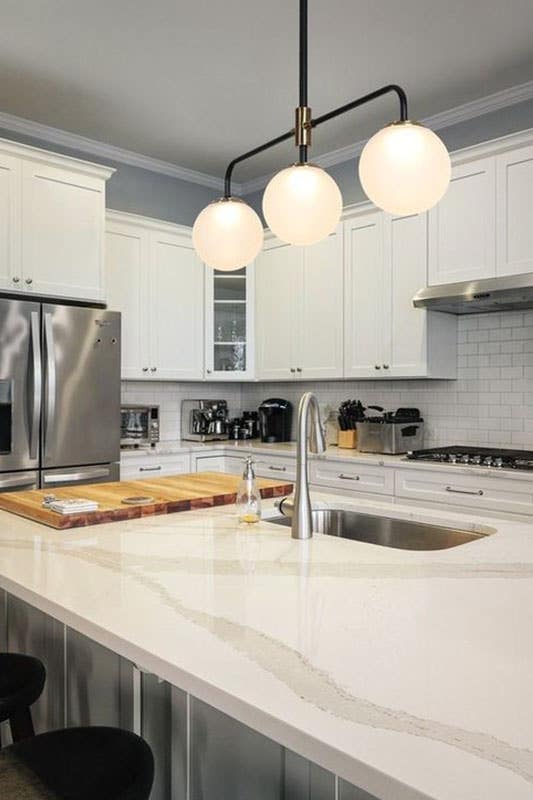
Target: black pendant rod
x=367, y=98
x=303, y=68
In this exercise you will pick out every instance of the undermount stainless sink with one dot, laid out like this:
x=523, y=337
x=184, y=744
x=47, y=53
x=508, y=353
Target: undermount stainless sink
x=385, y=531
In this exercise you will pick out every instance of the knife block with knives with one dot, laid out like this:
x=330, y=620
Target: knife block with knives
x=350, y=413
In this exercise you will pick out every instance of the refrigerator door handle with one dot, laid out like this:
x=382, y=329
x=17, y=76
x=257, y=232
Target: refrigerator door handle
x=37, y=383
x=50, y=382
x=99, y=472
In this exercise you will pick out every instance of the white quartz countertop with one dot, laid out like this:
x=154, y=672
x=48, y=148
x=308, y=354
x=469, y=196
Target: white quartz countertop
x=407, y=673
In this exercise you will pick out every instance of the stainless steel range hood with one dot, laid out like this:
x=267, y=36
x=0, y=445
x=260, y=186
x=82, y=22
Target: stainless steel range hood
x=478, y=297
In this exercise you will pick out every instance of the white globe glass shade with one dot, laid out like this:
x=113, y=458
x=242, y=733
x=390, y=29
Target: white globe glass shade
x=302, y=204
x=405, y=168
x=227, y=234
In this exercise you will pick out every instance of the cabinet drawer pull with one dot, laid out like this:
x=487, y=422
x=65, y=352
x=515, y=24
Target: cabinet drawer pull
x=277, y=469
x=153, y=369
x=344, y=477
x=377, y=366
x=298, y=369
x=16, y=279
x=292, y=369
x=145, y=369
x=464, y=491
x=385, y=366
x=29, y=281
x=149, y=469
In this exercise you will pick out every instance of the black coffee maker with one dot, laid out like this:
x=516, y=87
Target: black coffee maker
x=275, y=420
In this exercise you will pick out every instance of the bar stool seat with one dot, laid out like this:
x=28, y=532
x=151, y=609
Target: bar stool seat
x=78, y=764
x=21, y=683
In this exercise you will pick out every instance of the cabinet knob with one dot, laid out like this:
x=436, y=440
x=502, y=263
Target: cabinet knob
x=16, y=279
x=292, y=369
x=298, y=369
x=208, y=371
x=145, y=369
x=377, y=366
x=153, y=369
x=385, y=366
x=29, y=281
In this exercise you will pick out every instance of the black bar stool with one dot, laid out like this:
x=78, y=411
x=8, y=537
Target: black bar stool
x=21, y=683
x=78, y=764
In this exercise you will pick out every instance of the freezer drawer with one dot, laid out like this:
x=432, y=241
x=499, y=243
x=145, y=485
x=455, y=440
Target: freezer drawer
x=19, y=481
x=98, y=473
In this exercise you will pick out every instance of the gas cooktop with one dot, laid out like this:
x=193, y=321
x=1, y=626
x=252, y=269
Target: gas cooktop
x=475, y=457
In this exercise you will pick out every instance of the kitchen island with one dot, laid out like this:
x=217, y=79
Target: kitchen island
x=407, y=674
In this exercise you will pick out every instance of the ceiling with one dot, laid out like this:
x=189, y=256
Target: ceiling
x=196, y=83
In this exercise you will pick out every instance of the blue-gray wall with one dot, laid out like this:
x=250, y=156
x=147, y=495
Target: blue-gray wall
x=480, y=129
x=139, y=191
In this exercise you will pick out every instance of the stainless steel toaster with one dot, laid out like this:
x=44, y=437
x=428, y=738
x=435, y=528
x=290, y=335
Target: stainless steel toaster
x=391, y=433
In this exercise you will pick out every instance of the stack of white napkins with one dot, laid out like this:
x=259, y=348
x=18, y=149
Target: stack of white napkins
x=74, y=506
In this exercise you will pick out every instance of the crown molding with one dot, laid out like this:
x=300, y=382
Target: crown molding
x=475, y=108
x=56, y=136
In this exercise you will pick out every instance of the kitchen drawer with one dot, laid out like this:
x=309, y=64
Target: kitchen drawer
x=220, y=463
x=275, y=467
x=352, y=477
x=491, y=492
x=146, y=468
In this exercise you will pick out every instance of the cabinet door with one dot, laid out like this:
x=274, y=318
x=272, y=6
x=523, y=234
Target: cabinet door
x=514, y=228
x=404, y=326
x=62, y=231
x=364, y=293
x=229, y=330
x=127, y=292
x=10, y=186
x=320, y=337
x=177, y=308
x=462, y=226
x=278, y=279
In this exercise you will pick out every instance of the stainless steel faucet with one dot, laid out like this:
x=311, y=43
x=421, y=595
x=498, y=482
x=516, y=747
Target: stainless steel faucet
x=302, y=521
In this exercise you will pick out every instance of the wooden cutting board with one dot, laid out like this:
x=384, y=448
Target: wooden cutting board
x=179, y=493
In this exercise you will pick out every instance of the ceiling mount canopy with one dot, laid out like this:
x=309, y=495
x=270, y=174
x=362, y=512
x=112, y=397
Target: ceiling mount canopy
x=404, y=169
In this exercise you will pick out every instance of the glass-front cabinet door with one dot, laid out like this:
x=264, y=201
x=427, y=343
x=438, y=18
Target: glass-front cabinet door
x=229, y=320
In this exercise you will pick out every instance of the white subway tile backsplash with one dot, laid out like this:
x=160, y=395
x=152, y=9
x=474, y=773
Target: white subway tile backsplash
x=490, y=403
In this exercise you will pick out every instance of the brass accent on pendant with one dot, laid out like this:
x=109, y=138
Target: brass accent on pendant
x=302, y=127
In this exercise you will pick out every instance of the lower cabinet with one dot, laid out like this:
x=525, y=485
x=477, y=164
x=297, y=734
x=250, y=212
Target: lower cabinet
x=219, y=463
x=356, y=478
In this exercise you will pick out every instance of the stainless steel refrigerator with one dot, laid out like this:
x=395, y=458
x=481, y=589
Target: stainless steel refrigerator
x=59, y=395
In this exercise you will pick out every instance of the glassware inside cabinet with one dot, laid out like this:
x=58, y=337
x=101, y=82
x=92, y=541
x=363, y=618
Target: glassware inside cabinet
x=230, y=321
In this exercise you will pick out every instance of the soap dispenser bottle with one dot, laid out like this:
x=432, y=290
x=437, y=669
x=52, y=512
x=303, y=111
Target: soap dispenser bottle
x=248, y=496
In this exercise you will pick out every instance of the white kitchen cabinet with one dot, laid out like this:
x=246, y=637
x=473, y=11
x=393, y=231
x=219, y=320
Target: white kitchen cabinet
x=220, y=463
x=62, y=231
x=364, y=295
x=462, y=225
x=156, y=281
x=356, y=478
x=299, y=310
x=385, y=336
x=10, y=223
x=514, y=229
x=52, y=213
x=176, y=282
x=127, y=256
x=229, y=330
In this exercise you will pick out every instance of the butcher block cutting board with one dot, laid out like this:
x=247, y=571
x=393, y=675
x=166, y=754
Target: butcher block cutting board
x=179, y=493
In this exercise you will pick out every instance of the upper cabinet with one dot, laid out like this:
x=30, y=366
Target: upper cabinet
x=156, y=280
x=229, y=333
x=384, y=335
x=514, y=228
x=52, y=218
x=299, y=309
x=482, y=227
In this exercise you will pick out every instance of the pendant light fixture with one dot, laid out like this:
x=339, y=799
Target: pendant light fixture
x=404, y=169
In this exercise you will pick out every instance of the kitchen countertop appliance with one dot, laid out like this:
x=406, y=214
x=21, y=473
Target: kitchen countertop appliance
x=469, y=455
x=204, y=420
x=390, y=432
x=139, y=426
x=275, y=420
x=59, y=395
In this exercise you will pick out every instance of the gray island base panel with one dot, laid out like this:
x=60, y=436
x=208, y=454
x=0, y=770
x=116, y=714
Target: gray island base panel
x=201, y=753
x=398, y=671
